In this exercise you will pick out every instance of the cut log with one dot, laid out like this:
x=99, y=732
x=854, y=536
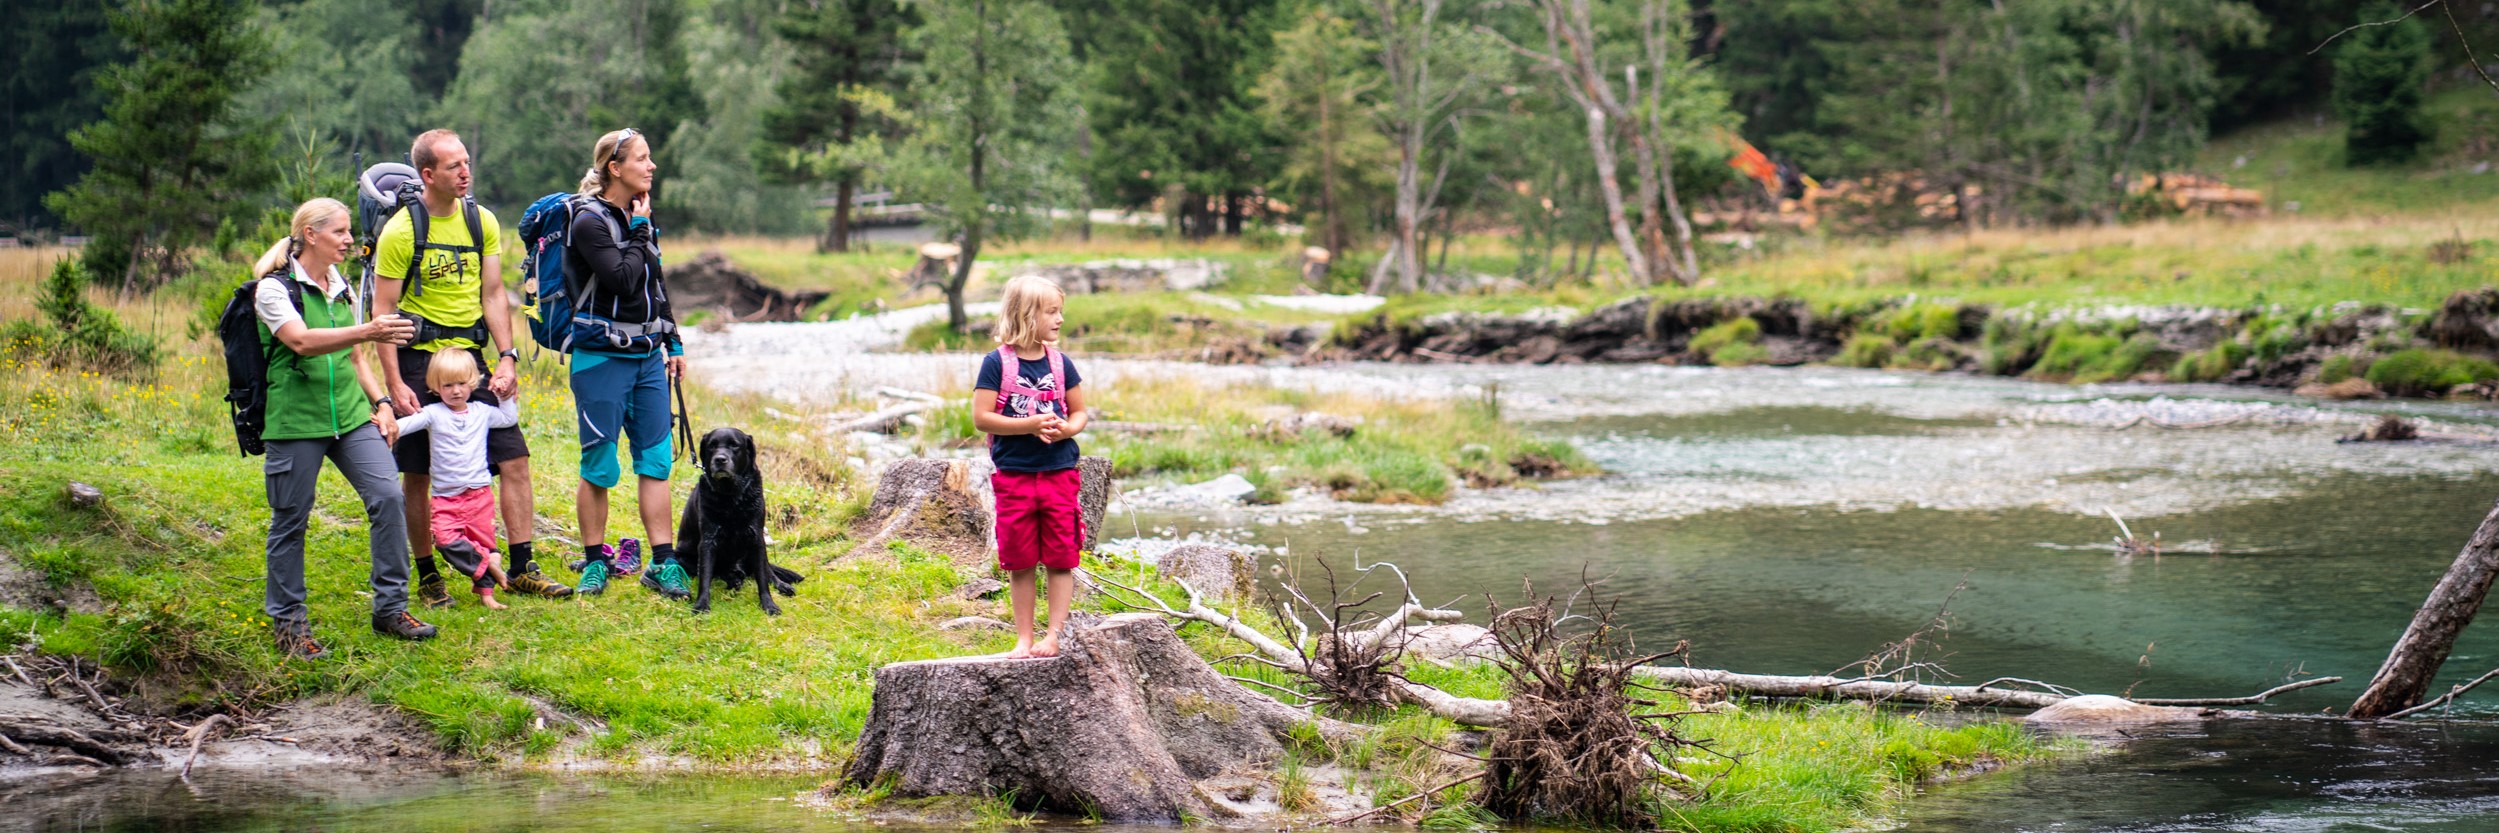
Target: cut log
x=1121, y=724
x=2408, y=670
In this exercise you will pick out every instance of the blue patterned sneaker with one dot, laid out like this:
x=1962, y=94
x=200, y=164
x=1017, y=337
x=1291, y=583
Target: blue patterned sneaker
x=669, y=578
x=628, y=557
x=594, y=574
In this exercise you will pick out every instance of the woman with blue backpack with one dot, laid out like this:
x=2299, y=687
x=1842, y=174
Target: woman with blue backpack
x=625, y=355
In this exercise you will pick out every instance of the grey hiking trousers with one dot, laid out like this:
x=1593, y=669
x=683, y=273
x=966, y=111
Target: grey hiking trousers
x=293, y=469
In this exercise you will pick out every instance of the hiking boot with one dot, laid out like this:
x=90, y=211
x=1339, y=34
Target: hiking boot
x=628, y=557
x=430, y=590
x=296, y=641
x=536, y=583
x=402, y=625
x=668, y=577
x=593, y=577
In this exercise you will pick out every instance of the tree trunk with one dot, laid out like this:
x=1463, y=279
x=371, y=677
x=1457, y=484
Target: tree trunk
x=1232, y=211
x=1652, y=220
x=1119, y=725
x=2406, y=675
x=963, y=274
x=837, y=227
x=1602, y=147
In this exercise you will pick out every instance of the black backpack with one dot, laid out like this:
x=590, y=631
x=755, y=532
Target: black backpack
x=248, y=358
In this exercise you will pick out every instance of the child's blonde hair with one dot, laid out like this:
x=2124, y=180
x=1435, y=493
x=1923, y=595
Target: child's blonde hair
x=451, y=366
x=1019, y=313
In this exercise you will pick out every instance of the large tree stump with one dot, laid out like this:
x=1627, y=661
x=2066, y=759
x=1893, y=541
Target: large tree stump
x=1121, y=724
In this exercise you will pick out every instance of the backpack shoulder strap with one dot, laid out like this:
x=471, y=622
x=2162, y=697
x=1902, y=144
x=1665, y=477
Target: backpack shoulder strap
x=418, y=220
x=477, y=228
x=1058, y=373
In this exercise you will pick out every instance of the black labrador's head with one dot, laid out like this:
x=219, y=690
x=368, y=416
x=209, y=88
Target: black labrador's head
x=728, y=456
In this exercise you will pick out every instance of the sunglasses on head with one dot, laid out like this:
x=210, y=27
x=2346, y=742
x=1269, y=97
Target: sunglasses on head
x=619, y=154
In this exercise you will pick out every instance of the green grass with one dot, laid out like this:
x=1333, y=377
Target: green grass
x=2428, y=372
x=2300, y=160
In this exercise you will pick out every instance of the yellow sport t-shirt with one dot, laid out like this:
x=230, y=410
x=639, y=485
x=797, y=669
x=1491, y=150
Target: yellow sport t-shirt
x=450, y=292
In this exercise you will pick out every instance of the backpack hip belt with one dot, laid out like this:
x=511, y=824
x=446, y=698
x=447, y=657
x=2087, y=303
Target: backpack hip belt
x=429, y=331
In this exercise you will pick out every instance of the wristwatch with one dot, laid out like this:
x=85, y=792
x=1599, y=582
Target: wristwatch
x=510, y=353
x=382, y=402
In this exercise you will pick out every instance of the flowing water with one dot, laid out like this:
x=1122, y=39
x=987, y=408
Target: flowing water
x=1789, y=521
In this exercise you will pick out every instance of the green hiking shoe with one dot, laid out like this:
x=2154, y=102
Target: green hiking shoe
x=593, y=578
x=430, y=590
x=668, y=578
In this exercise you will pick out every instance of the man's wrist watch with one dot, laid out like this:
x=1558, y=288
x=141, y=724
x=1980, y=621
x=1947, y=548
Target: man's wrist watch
x=382, y=402
x=509, y=354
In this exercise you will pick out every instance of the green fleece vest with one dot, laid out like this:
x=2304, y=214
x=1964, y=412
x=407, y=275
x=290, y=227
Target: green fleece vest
x=316, y=396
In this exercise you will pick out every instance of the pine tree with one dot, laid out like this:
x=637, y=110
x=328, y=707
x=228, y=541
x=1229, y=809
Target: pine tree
x=994, y=114
x=171, y=151
x=49, y=55
x=2379, y=73
x=1171, y=104
x=836, y=104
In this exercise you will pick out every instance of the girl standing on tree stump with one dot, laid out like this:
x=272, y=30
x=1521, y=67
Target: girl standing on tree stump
x=1035, y=409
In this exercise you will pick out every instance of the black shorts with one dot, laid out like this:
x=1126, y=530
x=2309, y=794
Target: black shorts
x=415, y=455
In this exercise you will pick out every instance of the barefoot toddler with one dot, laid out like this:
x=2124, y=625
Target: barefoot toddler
x=463, y=506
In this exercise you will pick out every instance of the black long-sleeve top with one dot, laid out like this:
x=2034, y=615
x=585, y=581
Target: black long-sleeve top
x=623, y=282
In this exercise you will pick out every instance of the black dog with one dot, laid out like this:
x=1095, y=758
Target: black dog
x=723, y=524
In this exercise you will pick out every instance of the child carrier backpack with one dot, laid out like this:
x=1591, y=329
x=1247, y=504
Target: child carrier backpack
x=386, y=189
x=248, y=357
x=1011, y=383
x=552, y=297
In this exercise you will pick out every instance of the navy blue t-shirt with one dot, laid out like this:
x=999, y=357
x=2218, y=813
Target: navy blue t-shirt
x=1026, y=452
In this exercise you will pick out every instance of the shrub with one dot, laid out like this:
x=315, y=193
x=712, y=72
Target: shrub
x=2428, y=372
x=2336, y=368
x=1740, y=330
x=1865, y=351
x=81, y=332
x=2211, y=364
x=2380, y=73
x=1930, y=354
x=1739, y=354
x=2092, y=357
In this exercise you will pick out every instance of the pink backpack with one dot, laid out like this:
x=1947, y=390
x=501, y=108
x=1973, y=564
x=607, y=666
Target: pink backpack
x=1011, y=382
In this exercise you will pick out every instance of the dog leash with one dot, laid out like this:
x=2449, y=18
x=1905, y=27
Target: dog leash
x=685, y=425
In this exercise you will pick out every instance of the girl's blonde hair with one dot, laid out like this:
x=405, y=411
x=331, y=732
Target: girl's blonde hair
x=450, y=366
x=318, y=211
x=594, y=181
x=1019, y=313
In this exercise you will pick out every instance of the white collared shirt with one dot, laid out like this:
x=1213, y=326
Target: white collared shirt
x=270, y=303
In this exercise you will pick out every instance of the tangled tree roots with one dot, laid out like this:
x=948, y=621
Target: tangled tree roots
x=1574, y=750
x=1351, y=664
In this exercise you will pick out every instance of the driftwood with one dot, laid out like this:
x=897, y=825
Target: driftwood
x=2409, y=668
x=889, y=419
x=1156, y=719
x=1465, y=710
x=1998, y=693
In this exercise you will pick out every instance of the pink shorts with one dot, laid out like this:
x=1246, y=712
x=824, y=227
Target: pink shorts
x=1038, y=518
x=467, y=516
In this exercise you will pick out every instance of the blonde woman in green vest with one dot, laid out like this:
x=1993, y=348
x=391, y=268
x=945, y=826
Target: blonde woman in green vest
x=325, y=403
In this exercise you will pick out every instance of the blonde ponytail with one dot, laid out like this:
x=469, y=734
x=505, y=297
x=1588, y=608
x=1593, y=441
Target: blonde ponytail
x=594, y=181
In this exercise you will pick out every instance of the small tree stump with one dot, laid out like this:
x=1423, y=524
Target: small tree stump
x=933, y=504
x=1093, y=495
x=1120, y=724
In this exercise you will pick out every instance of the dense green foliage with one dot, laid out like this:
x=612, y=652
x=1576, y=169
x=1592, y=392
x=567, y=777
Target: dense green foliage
x=2380, y=76
x=49, y=56
x=173, y=150
x=1170, y=107
x=836, y=109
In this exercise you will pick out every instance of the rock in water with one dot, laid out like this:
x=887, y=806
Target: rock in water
x=1222, y=573
x=933, y=504
x=2102, y=710
x=1122, y=723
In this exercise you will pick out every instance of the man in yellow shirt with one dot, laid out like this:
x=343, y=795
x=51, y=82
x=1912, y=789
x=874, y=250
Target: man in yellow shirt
x=444, y=285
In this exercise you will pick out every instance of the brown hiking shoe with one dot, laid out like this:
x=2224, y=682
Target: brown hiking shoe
x=401, y=625
x=536, y=583
x=430, y=591
x=295, y=640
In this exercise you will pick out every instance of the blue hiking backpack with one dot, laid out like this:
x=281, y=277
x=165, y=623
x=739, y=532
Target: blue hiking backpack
x=552, y=298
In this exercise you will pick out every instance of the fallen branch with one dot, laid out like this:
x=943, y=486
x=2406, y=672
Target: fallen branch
x=1343, y=820
x=1466, y=710
x=1825, y=686
x=70, y=739
x=2449, y=697
x=199, y=737
x=2249, y=700
x=884, y=421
